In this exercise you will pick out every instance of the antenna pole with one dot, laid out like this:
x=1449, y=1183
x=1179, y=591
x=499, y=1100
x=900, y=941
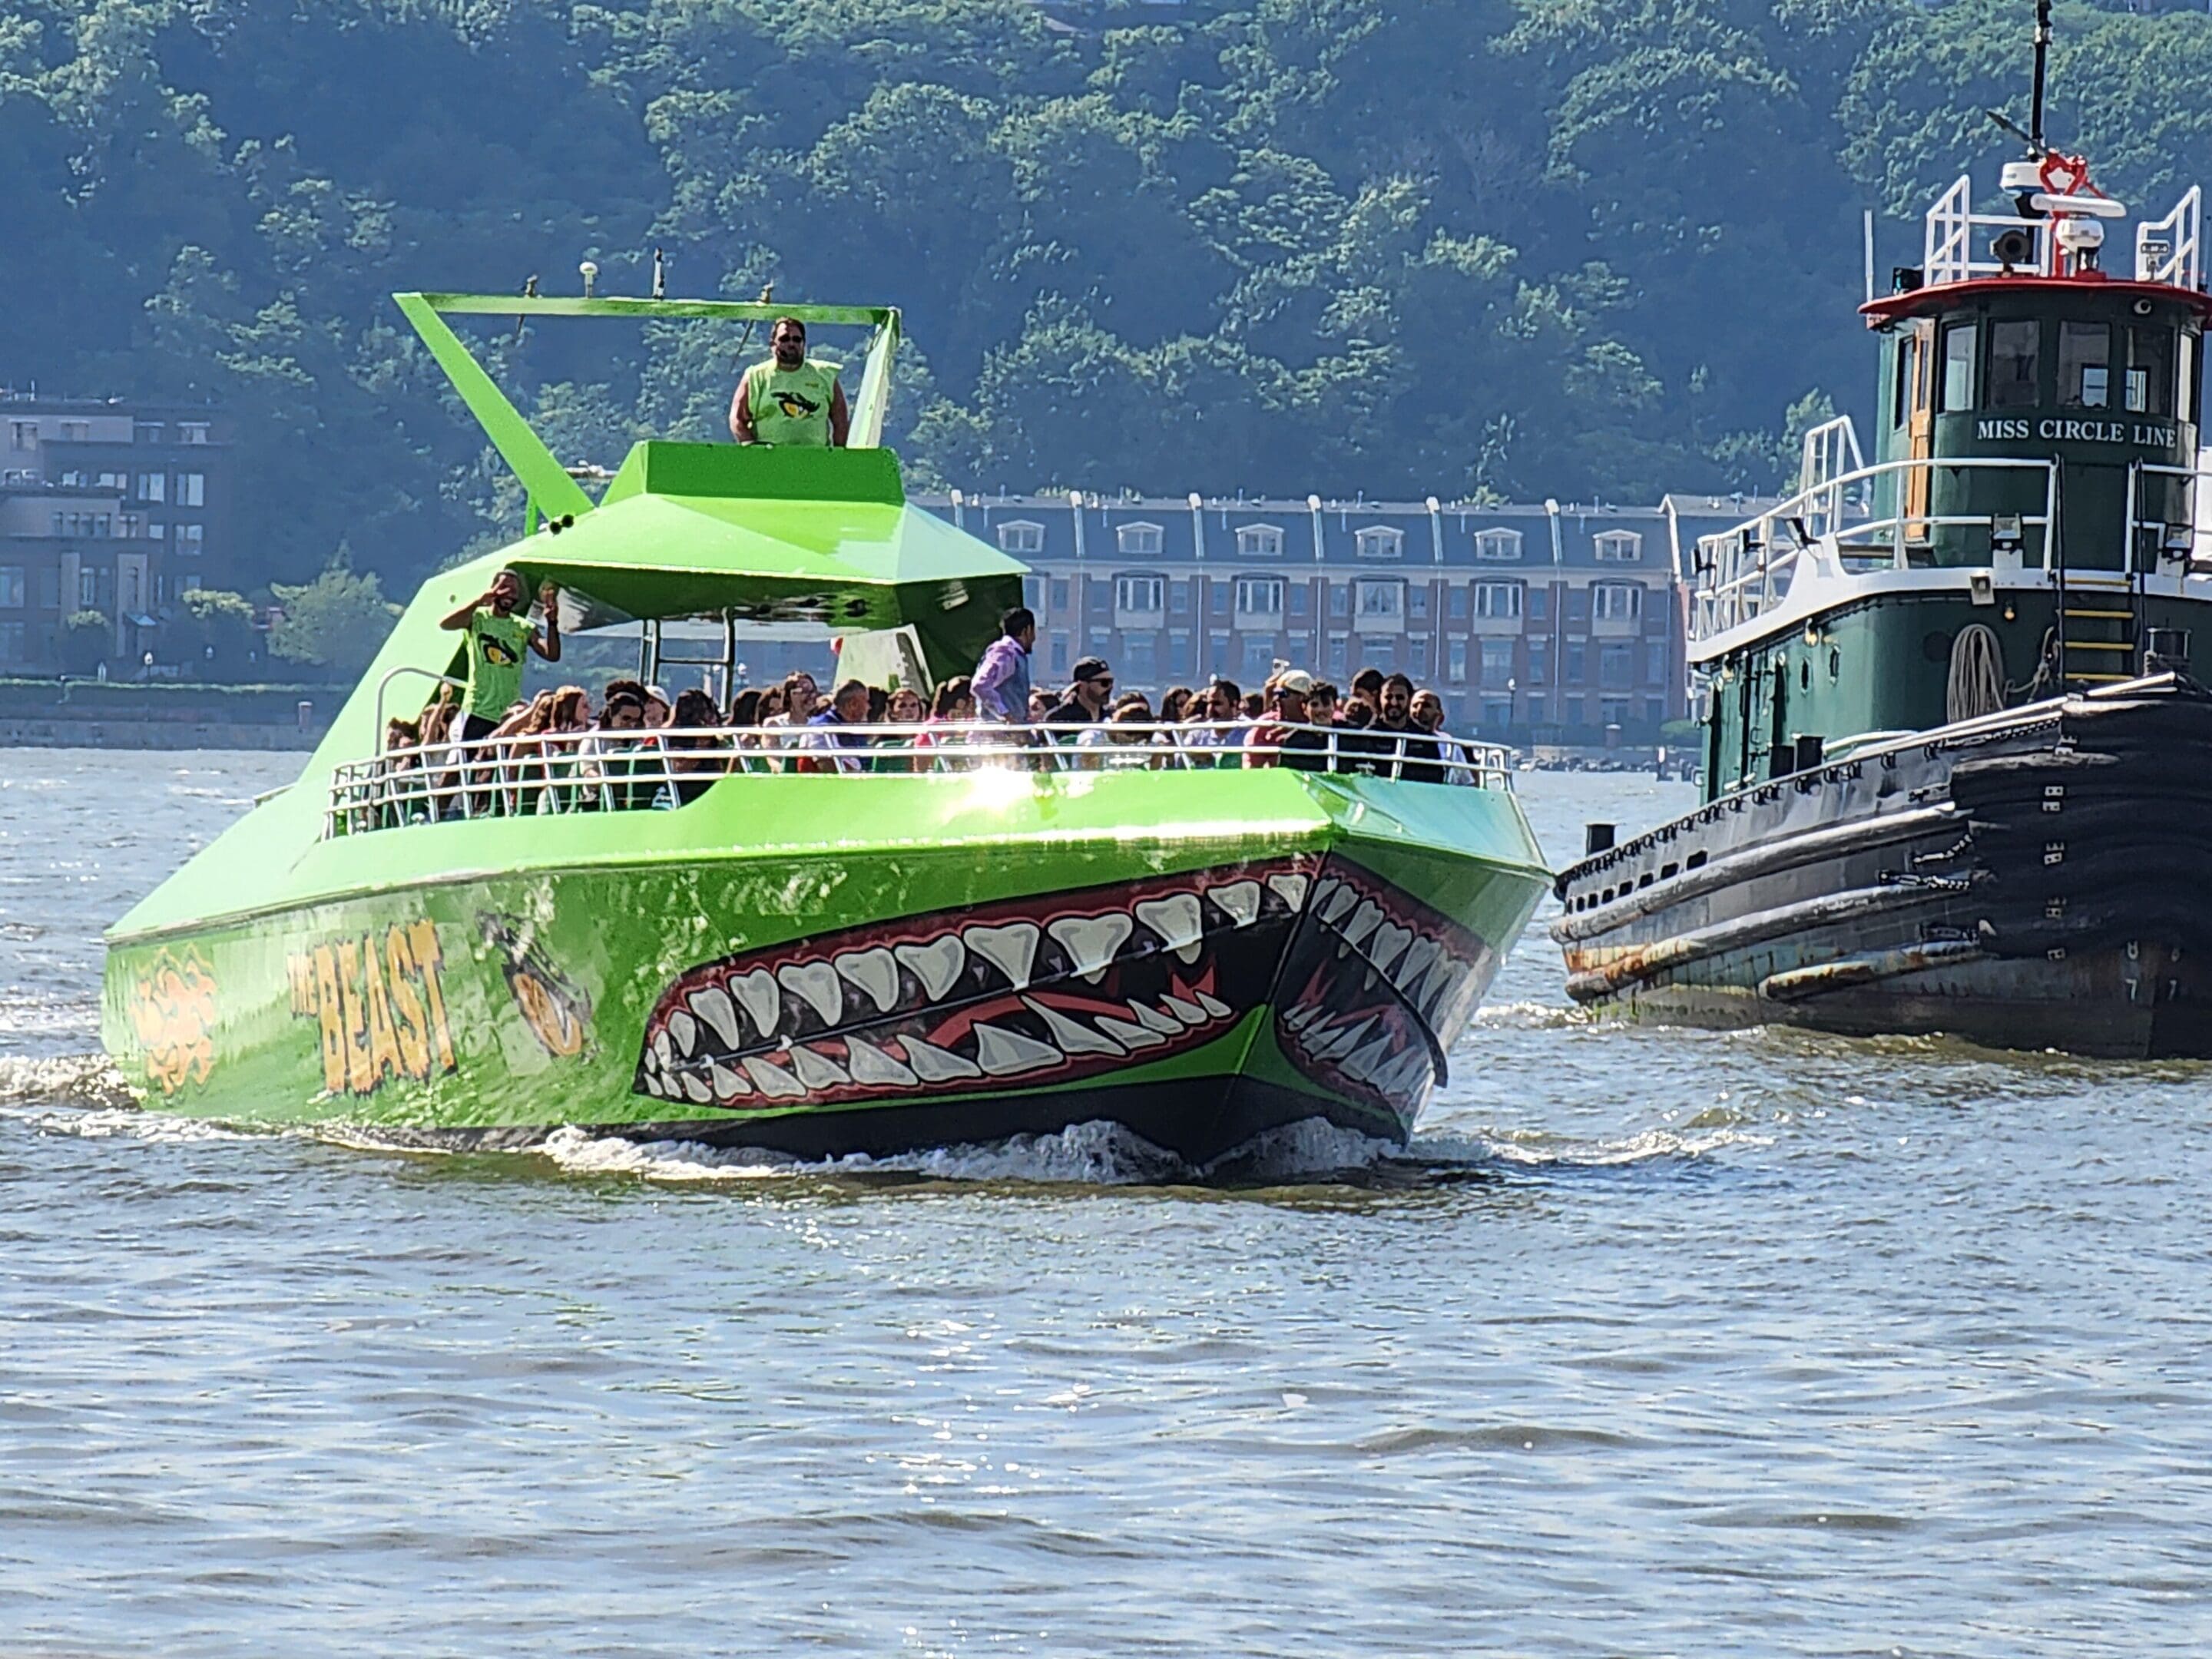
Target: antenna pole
x=2042, y=53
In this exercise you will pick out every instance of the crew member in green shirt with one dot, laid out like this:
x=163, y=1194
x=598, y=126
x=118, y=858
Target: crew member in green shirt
x=497, y=639
x=790, y=398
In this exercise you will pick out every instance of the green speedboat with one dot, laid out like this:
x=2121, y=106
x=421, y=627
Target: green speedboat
x=990, y=938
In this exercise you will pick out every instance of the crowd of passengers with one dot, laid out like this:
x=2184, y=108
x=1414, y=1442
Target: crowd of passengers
x=640, y=748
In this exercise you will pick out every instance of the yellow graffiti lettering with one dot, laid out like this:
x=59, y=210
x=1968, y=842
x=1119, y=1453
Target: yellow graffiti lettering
x=360, y=1077
x=383, y=1045
x=422, y=938
x=331, y=1014
x=406, y=1007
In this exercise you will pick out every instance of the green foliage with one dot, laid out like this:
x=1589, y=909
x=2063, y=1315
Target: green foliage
x=211, y=635
x=1524, y=247
x=337, y=622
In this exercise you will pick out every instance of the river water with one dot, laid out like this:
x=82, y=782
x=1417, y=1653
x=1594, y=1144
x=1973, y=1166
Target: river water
x=1657, y=1342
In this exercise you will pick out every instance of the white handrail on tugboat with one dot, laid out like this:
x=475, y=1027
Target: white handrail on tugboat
x=1949, y=245
x=555, y=773
x=2168, y=249
x=1738, y=574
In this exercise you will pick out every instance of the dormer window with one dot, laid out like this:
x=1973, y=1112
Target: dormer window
x=1497, y=543
x=1379, y=541
x=1260, y=541
x=1138, y=541
x=1020, y=536
x=1617, y=546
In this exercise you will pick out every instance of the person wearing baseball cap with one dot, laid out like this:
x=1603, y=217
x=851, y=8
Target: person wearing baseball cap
x=1090, y=688
x=1287, y=736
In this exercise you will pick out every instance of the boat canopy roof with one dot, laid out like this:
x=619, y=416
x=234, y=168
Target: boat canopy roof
x=716, y=531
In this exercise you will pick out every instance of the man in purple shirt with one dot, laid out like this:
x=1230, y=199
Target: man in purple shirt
x=1002, y=673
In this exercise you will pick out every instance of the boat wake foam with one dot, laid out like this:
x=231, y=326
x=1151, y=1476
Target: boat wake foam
x=62, y=1080
x=1094, y=1154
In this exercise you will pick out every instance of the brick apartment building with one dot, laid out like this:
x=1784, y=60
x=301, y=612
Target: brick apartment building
x=1536, y=623
x=110, y=507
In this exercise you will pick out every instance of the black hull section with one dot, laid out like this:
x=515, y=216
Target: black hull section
x=2038, y=879
x=1199, y=1120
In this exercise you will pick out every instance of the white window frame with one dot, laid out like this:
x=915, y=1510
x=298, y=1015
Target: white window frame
x=1259, y=541
x=1140, y=595
x=153, y=486
x=1616, y=601
x=1617, y=546
x=13, y=587
x=1389, y=597
x=191, y=490
x=1499, y=599
x=1379, y=541
x=1497, y=543
x=191, y=539
x=1020, y=536
x=1267, y=589
x=1138, y=541
x=191, y=432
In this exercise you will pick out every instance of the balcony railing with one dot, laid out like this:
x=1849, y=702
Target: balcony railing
x=557, y=773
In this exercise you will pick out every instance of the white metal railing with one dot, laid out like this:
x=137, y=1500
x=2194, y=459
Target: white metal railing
x=1740, y=573
x=660, y=767
x=2167, y=250
x=2177, y=540
x=1949, y=245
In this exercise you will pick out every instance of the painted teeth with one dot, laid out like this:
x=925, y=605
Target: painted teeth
x=712, y=1003
x=1389, y=939
x=663, y=1049
x=874, y=971
x=1361, y=1062
x=1214, y=1006
x=1341, y=1042
x=728, y=1085
x=1177, y=920
x=1073, y=1037
x=1155, y=1020
x=1298, y=1018
x=934, y=1064
x=1005, y=1054
x=1291, y=889
x=654, y=1085
x=937, y=964
x=1364, y=921
x=757, y=995
x=816, y=984
x=1335, y=901
x=1188, y=1013
x=1128, y=1035
x=695, y=1089
x=817, y=1070
x=870, y=1065
x=772, y=1081
x=1092, y=941
x=685, y=1031
x=1240, y=900
x=1011, y=949
x=1420, y=956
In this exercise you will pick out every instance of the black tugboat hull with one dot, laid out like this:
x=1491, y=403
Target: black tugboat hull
x=2037, y=879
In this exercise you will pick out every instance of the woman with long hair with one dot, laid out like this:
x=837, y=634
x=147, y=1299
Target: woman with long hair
x=693, y=752
x=903, y=707
x=952, y=709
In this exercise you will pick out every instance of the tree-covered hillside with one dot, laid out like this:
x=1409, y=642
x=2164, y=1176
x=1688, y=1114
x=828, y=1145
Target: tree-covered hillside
x=1572, y=247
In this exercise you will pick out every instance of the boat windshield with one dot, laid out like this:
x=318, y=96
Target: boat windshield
x=558, y=773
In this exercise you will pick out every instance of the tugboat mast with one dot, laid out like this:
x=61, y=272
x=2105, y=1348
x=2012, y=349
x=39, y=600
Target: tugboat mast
x=2042, y=55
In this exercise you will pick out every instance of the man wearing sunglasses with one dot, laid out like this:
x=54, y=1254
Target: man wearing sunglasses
x=1088, y=694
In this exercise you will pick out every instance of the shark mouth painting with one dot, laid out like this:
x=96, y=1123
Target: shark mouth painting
x=1377, y=987
x=1019, y=994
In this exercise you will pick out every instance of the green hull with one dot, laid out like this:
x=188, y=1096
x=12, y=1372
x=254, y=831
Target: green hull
x=835, y=965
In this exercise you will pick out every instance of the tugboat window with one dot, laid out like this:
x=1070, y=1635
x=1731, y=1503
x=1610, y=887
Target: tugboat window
x=2085, y=365
x=1957, y=390
x=1908, y=372
x=2150, y=371
x=2015, y=363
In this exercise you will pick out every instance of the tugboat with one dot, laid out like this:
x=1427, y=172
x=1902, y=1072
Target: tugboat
x=906, y=938
x=1952, y=741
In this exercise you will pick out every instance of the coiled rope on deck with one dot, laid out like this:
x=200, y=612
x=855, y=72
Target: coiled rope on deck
x=1977, y=683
